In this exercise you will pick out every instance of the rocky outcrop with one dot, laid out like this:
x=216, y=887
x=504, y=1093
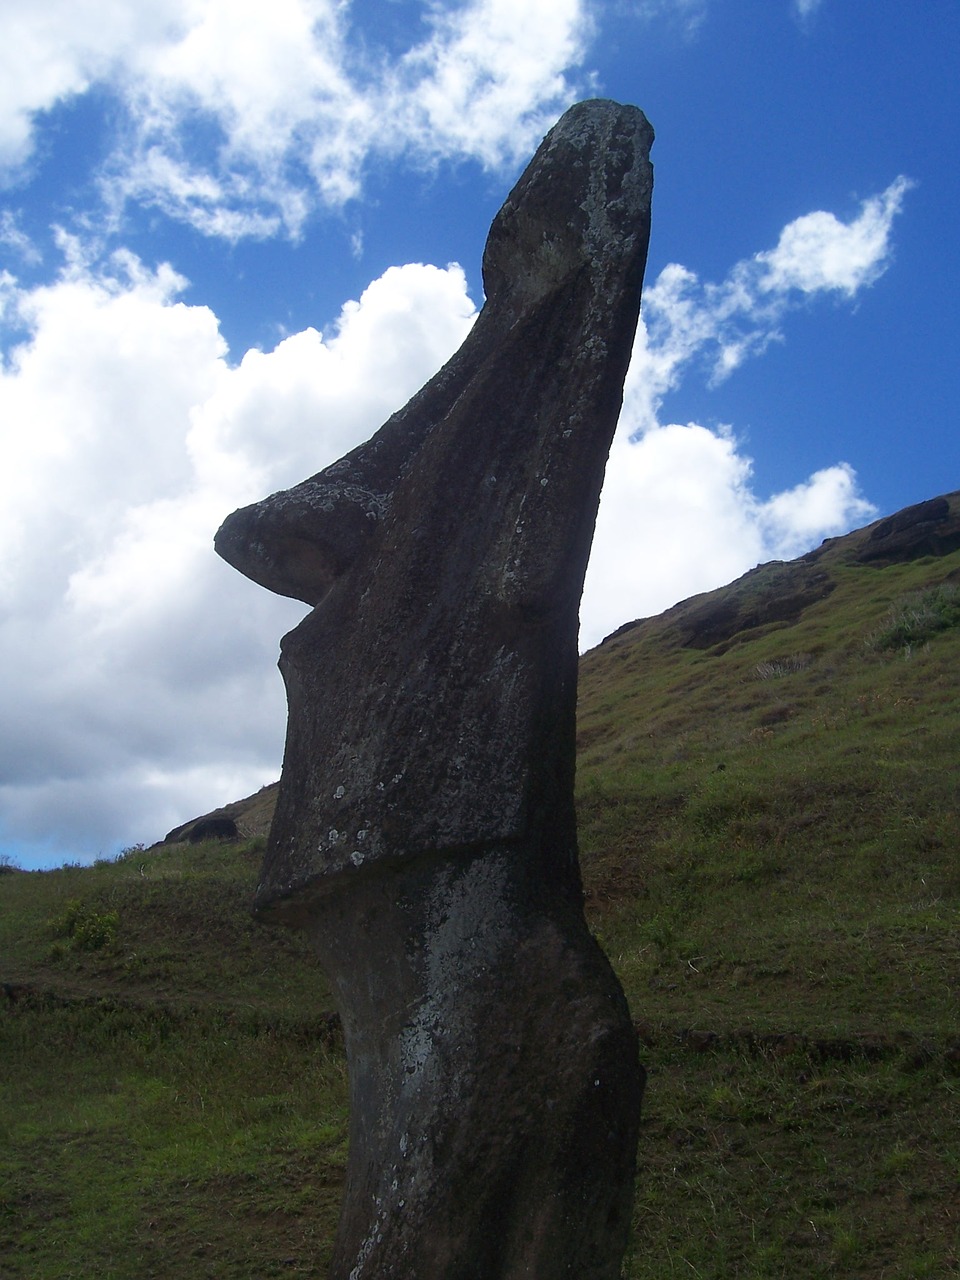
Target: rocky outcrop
x=424, y=834
x=251, y=817
x=776, y=594
x=213, y=829
x=926, y=529
x=772, y=593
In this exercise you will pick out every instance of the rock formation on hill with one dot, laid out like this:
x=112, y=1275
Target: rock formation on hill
x=425, y=833
x=778, y=592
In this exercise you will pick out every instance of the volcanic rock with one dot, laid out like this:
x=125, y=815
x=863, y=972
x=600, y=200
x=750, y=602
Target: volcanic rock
x=425, y=834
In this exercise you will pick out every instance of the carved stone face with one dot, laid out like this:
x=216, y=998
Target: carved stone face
x=432, y=689
x=569, y=219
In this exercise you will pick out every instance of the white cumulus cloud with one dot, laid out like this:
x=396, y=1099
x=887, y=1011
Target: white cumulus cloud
x=53, y=50
x=137, y=668
x=819, y=252
x=724, y=324
x=239, y=118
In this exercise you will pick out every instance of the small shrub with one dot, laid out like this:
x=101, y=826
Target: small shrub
x=86, y=928
x=778, y=667
x=915, y=618
x=898, y=1162
x=846, y=1246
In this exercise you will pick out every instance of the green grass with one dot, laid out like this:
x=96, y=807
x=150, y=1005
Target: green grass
x=179, y=927
x=142, y=1142
x=770, y=831
x=770, y=828
x=913, y=621
x=785, y=1165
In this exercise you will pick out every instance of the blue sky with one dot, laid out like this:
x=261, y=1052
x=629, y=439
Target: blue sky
x=234, y=237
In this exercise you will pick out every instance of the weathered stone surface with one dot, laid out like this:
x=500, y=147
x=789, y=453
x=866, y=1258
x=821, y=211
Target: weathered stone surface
x=770, y=594
x=213, y=829
x=926, y=529
x=425, y=832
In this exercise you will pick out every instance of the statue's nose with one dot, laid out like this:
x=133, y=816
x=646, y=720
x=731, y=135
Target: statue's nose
x=299, y=541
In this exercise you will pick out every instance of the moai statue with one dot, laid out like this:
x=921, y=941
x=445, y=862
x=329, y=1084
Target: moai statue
x=425, y=835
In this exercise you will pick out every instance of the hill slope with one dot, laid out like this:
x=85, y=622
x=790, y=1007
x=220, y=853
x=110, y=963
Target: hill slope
x=768, y=782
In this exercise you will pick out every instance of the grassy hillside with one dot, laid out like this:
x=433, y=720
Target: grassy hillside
x=769, y=822
x=769, y=806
